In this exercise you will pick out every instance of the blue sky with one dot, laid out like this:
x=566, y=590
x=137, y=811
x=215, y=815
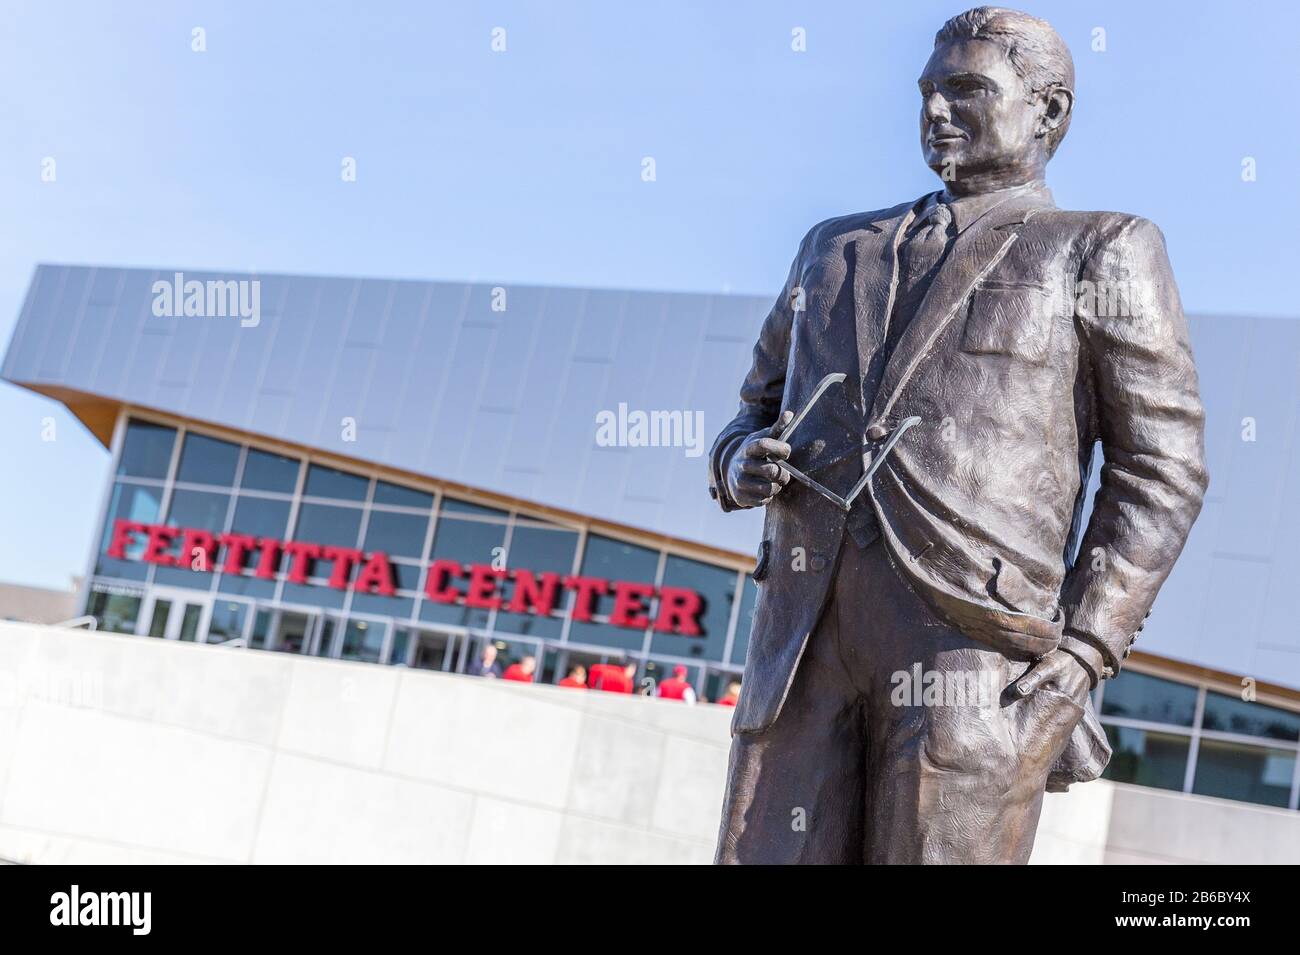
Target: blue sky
x=525, y=166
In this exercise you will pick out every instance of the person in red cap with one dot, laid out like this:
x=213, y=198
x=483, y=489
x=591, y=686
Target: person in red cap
x=732, y=695
x=577, y=678
x=676, y=687
x=522, y=672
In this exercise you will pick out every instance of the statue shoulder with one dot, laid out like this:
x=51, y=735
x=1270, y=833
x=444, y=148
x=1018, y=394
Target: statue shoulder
x=1102, y=228
x=837, y=229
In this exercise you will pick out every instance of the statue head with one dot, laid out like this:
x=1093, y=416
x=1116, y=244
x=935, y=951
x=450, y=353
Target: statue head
x=996, y=98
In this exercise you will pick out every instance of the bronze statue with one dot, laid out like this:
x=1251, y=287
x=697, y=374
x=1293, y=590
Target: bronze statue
x=1019, y=335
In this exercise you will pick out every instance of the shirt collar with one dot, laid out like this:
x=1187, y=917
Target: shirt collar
x=966, y=209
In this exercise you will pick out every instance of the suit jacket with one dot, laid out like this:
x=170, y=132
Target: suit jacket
x=1043, y=333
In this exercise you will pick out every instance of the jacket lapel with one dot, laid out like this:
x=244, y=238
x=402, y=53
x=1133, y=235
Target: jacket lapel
x=875, y=283
x=974, y=253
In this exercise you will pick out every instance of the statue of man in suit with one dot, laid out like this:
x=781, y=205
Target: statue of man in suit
x=1020, y=335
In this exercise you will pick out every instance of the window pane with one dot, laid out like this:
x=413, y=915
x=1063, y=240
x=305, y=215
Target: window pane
x=260, y=517
x=197, y=581
x=325, y=639
x=717, y=587
x=469, y=542
x=613, y=560
x=453, y=614
x=264, y=471
x=204, y=510
x=401, y=641
x=245, y=586
x=528, y=625
x=1228, y=714
x=313, y=596
x=400, y=607
x=328, y=525
x=1141, y=697
x=162, y=610
x=261, y=629
x=433, y=650
x=363, y=641
x=292, y=633
x=397, y=535
x=129, y=502
x=1145, y=758
x=451, y=505
x=386, y=493
x=539, y=550
x=327, y=482
x=116, y=613
x=717, y=683
x=147, y=450
x=206, y=460
x=1249, y=773
x=190, y=622
x=227, y=621
x=407, y=576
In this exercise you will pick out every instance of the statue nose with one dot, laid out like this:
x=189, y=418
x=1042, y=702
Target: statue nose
x=936, y=108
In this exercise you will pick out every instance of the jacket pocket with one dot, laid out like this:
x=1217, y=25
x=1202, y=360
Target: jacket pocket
x=1011, y=318
x=1044, y=725
x=764, y=558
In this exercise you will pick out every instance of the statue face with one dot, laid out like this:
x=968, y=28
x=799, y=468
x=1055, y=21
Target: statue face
x=975, y=113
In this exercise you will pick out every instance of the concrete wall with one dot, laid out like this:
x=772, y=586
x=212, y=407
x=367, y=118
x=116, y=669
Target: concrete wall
x=126, y=749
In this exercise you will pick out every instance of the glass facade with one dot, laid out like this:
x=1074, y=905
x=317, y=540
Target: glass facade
x=183, y=478
x=1166, y=733
x=1191, y=738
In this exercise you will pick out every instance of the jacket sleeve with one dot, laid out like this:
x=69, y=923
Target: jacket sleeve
x=764, y=387
x=1147, y=414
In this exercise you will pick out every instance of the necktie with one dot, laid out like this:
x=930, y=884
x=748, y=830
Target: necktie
x=920, y=253
x=928, y=242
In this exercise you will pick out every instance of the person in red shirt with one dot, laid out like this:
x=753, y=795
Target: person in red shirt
x=522, y=672
x=676, y=687
x=732, y=695
x=577, y=678
x=613, y=677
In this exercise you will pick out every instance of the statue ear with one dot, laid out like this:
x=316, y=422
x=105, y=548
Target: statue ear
x=1059, y=102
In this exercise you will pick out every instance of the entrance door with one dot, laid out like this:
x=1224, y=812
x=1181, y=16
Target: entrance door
x=325, y=636
x=288, y=631
x=174, y=614
x=434, y=649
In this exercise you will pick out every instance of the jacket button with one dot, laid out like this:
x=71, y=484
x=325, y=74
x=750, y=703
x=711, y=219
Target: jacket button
x=818, y=562
x=877, y=432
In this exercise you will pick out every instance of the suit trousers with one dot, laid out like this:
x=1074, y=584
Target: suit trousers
x=896, y=743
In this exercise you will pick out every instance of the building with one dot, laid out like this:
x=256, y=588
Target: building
x=39, y=604
x=399, y=472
